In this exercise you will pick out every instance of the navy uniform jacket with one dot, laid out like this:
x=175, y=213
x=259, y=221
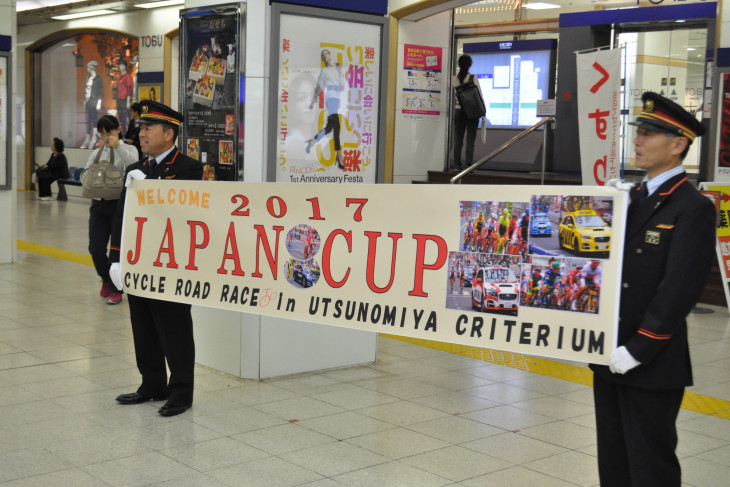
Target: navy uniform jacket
x=175, y=165
x=668, y=251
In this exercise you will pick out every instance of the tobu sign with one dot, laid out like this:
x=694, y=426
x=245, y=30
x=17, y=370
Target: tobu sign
x=151, y=40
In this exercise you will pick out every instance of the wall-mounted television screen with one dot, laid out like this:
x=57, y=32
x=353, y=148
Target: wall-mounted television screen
x=513, y=76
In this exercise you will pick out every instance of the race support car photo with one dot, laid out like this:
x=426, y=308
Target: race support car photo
x=495, y=289
x=304, y=276
x=540, y=225
x=584, y=232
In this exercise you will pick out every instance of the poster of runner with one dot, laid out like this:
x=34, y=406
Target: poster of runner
x=339, y=255
x=328, y=93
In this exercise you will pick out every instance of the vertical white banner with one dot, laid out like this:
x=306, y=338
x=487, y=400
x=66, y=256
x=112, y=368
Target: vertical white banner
x=599, y=115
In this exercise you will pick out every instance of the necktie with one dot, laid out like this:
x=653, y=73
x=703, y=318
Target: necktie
x=153, y=163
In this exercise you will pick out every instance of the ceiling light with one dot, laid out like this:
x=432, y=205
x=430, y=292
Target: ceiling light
x=80, y=15
x=24, y=5
x=540, y=5
x=163, y=3
x=691, y=49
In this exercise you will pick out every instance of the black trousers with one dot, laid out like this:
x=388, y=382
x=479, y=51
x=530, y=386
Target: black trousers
x=163, y=330
x=44, y=185
x=101, y=221
x=461, y=125
x=637, y=435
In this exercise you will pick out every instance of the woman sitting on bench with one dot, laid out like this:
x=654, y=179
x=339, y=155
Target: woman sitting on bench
x=56, y=168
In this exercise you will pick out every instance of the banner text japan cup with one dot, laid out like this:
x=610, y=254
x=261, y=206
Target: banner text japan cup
x=533, y=270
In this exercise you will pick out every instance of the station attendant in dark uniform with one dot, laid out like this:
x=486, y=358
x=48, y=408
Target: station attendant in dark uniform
x=162, y=330
x=668, y=250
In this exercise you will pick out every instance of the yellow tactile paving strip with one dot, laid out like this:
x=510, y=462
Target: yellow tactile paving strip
x=697, y=403
x=692, y=402
x=55, y=253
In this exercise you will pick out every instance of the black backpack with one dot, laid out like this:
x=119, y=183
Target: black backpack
x=470, y=99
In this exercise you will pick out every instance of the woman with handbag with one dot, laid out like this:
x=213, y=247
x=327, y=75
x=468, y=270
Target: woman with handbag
x=56, y=168
x=462, y=123
x=103, y=210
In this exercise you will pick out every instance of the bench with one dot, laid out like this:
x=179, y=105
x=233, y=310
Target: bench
x=73, y=179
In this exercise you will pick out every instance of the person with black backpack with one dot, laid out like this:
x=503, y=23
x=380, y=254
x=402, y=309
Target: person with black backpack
x=468, y=110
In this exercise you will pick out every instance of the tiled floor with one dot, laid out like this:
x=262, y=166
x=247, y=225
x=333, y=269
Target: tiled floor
x=420, y=416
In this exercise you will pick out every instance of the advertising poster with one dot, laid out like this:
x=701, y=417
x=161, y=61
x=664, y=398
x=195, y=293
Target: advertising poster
x=422, y=81
x=211, y=91
x=722, y=172
x=720, y=194
x=455, y=264
x=150, y=92
x=328, y=97
x=599, y=115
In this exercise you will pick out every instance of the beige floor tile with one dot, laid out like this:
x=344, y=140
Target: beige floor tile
x=700, y=472
x=456, y=463
x=332, y=459
x=453, y=402
x=61, y=478
x=346, y=425
x=284, y=438
x=402, y=413
x=29, y=462
x=214, y=454
x=508, y=418
x=514, y=448
x=354, y=397
x=571, y=466
x=516, y=477
x=137, y=470
x=391, y=474
x=397, y=443
x=455, y=429
x=299, y=409
x=562, y=433
x=555, y=407
x=267, y=472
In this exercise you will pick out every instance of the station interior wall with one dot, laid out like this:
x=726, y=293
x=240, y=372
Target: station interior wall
x=420, y=145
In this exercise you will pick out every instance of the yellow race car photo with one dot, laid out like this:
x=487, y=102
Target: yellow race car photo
x=584, y=232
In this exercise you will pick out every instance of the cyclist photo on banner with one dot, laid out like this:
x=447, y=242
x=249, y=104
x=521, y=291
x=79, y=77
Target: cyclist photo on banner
x=494, y=227
x=563, y=284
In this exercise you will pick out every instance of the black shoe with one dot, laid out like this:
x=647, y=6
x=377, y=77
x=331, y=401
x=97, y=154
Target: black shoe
x=137, y=398
x=170, y=409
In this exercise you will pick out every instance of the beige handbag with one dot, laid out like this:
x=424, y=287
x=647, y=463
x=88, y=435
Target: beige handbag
x=102, y=179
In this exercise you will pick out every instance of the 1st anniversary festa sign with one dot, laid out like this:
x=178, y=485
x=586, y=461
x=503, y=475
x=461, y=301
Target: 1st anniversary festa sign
x=472, y=265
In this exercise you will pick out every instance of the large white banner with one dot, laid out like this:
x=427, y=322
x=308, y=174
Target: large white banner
x=520, y=268
x=599, y=115
x=328, y=98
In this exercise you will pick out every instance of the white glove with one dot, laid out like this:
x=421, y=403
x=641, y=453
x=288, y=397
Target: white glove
x=618, y=184
x=115, y=274
x=622, y=361
x=132, y=175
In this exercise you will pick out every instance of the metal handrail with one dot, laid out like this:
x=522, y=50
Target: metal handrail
x=503, y=147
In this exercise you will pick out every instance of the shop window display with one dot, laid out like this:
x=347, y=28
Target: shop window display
x=82, y=78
